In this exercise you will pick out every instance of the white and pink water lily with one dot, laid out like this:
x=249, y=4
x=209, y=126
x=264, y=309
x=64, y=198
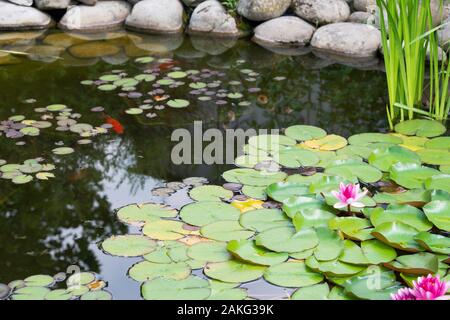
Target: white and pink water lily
x=349, y=195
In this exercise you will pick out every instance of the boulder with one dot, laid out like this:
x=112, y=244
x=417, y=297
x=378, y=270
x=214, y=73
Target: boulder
x=88, y=2
x=192, y=3
x=322, y=11
x=26, y=3
x=286, y=31
x=363, y=5
x=444, y=34
x=210, y=17
x=14, y=17
x=156, y=16
x=51, y=4
x=105, y=15
x=362, y=17
x=262, y=10
x=347, y=39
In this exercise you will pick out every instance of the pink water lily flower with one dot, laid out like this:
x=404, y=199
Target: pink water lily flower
x=424, y=288
x=349, y=195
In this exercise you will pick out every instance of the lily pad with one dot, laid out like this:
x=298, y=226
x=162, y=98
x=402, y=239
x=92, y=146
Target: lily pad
x=191, y=288
x=411, y=175
x=383, y=159
x=434, y=156
x=438, y=212
x=249, y=252
x=178, y=103
x=349, y=169
x=80, y=279
x=263, y=219
x=96, y=295
x=333, y=267
x=226, y=231
x=209, y=251
x=287, y=239
x=353, y=254
x=402, y=213
x=30, y=293
x=292, y=274
x=328, y=143
x=210, y=193
x=165, y=230
x=22, y=179
x=366, y=139
x=305, y=132
x=145, y=270
x=63, y=151
x=138, y=214
x=59, y=294
x=330, y=245
x=294, y=157
x=283, y=190
x=206, y=212
x=234, y=271
x=421, y=263
x=420, y=128
x=397, y=235
x=353, y=227
x=433, y=242
x=377, y=252
x=315, y=292
x=438, y=182
x=253, y=177
x=128, y=245
x=39, y=281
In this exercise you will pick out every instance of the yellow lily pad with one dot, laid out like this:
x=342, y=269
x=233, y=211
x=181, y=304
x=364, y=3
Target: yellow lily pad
x=329, y=143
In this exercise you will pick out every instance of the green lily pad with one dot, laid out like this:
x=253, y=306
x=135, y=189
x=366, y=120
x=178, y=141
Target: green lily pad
x=210, y=193
x=168, y=252
x=177, y=74
x=145, y=77
x=359, y=151
x=207, y=212
x=22, y=179
x=63, y=150
x=368, y=138
x=330, y=245
x=338, y=293
x=438, y=182
x=59, y=294
x=138, y=214
x=96, y=295
x=377, y=252
x=374, y=284
x=263, y=219
x=249, y=252
x=283, y=190
x=293, y=205
x=402, y=213
x=409, y=196
x=226, y=291
x=353, y=227
x=315, y=292
x=420, y=128
x=349, y=169
x=30, y=293
x=433, y=242
x=56, y=107
x=44, y=175
x=292, y=274
x=134, y=111
x=314, y=217
x=145, y=270
x=226, y=231
x=438, y=143
x=191, y=288
x=110, y=77
x=353, y=254
x=255, y=192
x=178, y=103
x=235, y=95
x=30, y=131
x=80, y=279
x=209, y=251
x=438, y=212
x=271, y=142
x=253, y=177
x=383, y=159
x=434, y=156
x=333, y=267
x=39, y=280
x=165, y=230
x=304, y=132
x=107, y=87
x=411, y=175
x=397, y=235
x=329, y=183
x=287, y=239
x=197, y=85
x=234, y=271
x=421, y=263
x=128, y=245
x=294, y=157
x=328, y=143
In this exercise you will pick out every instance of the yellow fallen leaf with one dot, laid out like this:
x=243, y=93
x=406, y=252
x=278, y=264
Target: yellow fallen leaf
x=330, y=142
x=247, y=205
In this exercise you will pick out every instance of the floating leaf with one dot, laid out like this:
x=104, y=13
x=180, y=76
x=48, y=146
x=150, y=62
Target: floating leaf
x=397, y=235
x=253, y=177
x=178, y=103
x=128, y=245
x=295, y=157
x=249, y=252
x=353, y=227
x=433, y=242
x=134, y=111
x=349, y=169
x=56, y=107
x=234, y=271
x=438, y=212
x=411, y=175
x=165, y=230
x=22, y=179
x=434, y=156
x=39, y=281
x=304, y=132
x=366, y=139
x=333, y=267
x=44, y=175
x=139, y=214
x=191, y=288
x=59, y=294
x=377, y=252
x=263, y=219
x=96, y=295
x=206, y=212
x=30, y=293
x=209, y=251
x=292, y=274
x=422, y=263
x=402, y=213
x=80, y=279
x=353, y=254
x=328, y=143
x=225, y=231
x=438, y=182
x=421, y=128
x=315, y=292
x=383, y=159
x=210, y=193
x=330, y=245
x=63, y=150
x=226, y=291
x=287, y=239
x=145, y=270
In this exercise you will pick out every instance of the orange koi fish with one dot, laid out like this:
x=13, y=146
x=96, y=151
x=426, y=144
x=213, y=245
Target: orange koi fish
x=116, y=125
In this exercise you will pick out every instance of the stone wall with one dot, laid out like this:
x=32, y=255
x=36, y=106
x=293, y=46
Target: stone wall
x=338, y=27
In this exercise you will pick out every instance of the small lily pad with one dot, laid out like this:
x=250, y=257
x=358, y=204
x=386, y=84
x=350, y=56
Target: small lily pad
x=292, y=274
x=234, y=271
x=128, y=245
x=249, y=252
x=420, y=128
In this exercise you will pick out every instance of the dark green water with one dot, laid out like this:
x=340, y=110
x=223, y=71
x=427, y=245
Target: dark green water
x=45, y=226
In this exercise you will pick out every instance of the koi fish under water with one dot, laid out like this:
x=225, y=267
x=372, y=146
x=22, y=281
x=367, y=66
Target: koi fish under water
x=168, y=65
x=116, y=125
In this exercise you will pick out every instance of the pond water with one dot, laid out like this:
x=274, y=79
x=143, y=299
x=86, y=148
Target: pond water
x=46, y=226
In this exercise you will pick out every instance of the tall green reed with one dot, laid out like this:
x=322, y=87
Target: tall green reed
x=407, y=35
